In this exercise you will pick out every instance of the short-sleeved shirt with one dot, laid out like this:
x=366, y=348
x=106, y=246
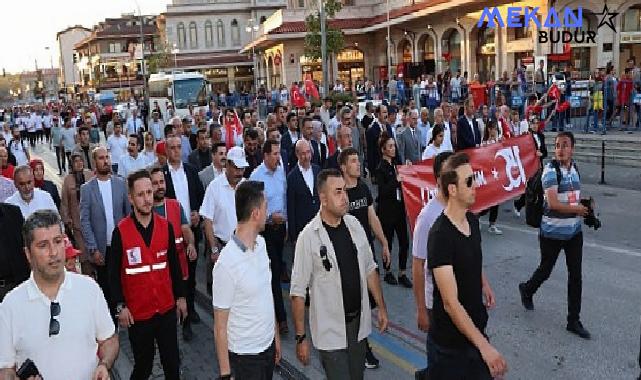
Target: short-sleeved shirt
x=448, y=246
x=84, y=320
x=424, y=222
x=360, y=198
x=555, y=225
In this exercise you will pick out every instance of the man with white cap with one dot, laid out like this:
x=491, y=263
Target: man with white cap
x=219, y=205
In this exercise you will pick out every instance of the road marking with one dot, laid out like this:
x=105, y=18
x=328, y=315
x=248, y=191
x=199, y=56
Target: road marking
x=405, y=359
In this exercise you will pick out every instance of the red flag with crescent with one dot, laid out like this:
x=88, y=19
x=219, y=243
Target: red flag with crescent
x=298, y=99
x=310, y=89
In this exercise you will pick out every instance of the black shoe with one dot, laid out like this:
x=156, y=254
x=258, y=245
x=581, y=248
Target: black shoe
x=421, y=374
x=403, y=280
x=370, y=360
x=526, y=299
x=390, y=279
x=578, y=329
x=194, y=317
x=188, y=334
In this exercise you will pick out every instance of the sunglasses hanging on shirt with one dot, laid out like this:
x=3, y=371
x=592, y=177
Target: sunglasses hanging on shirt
x=323, y=254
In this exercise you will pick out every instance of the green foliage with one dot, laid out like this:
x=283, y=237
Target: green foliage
x=335, y=40
x=343, y=97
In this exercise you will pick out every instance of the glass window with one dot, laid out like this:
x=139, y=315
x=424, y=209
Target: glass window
x=189, y=92
x=193, y=35
x=220, y=33
x=182, y=36
x=209, y=34
x=235, y=33
x=632, y=19
x=301, y=3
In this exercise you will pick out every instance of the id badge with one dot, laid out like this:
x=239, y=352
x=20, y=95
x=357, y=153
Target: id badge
x=134, y=256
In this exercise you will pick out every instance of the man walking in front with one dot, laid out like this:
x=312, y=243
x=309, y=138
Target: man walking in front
x=333, y=257
x=245, y=329
x=561, y=229
x=145, y=281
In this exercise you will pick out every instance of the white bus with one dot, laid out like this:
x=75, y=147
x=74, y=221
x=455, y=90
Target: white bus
x=180, y=89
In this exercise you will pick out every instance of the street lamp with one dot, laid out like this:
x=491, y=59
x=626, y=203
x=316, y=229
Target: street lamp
x=253, y=28
x=175, y=51
x=142, y=54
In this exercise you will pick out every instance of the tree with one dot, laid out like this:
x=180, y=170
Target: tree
x=335, y=38
x=158, y=60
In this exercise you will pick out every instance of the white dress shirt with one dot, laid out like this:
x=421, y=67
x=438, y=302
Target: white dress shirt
x=129, y=164
x=108, y=205
x=308, y=176
x=219, y=206
x=133, y=127
x=447, y=138
x=181, y=187
x=41, y=200
x=117, y=147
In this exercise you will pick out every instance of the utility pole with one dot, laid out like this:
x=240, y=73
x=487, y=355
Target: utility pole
x=142, y=56
x=389, y=51
x=323, y=28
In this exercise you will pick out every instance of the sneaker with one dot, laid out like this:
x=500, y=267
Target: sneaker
x=370, y=360
x=494, y=230
x=578, y=329
x=526, y=299
x=390, y=279
x=517, y=212
x=403, y=280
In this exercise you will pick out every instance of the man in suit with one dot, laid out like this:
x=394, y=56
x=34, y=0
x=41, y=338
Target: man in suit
x=14, y=268
x=200, y=157
x=288, y=140
x=84, y=148
x=468, y=134
x=302, y=195
x=409, y=144
x=372, y=135
x=217, y=167
x=183, y=184
x=319, y=150
x=103, y=203
x=344, y=139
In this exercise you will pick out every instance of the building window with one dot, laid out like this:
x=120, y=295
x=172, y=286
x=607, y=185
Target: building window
x=301, y=3
x=632, y=19
x=182, y=36
x=220, y=33
x=348, y=3
x=519, y=33
x=193, y=35
x=209, y=34
x=235, y=33
x=114, y=47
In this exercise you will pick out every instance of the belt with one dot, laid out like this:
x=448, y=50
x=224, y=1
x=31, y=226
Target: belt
x=351, y=316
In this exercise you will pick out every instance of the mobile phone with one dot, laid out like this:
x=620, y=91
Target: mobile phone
x=27, y=370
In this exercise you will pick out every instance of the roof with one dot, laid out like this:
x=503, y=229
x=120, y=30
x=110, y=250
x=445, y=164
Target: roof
x=70, y=28
x=118, y=27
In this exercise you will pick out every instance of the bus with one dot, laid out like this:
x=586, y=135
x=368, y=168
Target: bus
x=180, y=89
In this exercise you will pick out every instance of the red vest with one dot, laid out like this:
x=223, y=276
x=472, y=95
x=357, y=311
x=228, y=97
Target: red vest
x=172, y=211
x=145, y=276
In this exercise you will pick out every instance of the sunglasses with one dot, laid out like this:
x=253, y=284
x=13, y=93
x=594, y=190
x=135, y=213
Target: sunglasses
x=469, y=180
x=323, y=254
x=54, y=325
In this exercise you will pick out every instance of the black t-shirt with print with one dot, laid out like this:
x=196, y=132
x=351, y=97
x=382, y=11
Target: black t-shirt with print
x=360, y=198
x=448, y=246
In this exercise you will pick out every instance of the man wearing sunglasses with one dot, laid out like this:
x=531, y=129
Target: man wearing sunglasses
x=55, y=315
x=457, y=347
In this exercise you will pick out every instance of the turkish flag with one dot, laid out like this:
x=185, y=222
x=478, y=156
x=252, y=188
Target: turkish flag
x=310, y=89
x=562, y=106
x=298, y=99
x=554, y=92
x=501, y=171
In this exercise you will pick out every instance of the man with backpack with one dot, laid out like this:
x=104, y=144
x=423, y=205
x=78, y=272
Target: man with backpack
x=18, y=149
x=560, y=228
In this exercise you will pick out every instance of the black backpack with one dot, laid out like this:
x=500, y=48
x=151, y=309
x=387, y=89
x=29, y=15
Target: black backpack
x=534, y=195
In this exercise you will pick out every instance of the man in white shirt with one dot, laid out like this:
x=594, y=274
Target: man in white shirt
x=29, y=198
x=17, y=147
x=247, y=340
x=117, y=146
x=439, y=118
x=157, y=127
x=133, y=161
x=55, y=315
x=134, y=123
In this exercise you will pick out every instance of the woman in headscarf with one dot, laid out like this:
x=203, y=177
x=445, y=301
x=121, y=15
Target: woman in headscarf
x=70, y=210
x=40, y=182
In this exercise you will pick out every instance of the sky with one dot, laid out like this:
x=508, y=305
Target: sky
x=28, y=26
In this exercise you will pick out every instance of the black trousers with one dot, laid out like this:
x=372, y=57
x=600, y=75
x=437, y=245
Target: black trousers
x=102, y=278
x=398, y=225
x=550, y=249
x=253, y=367
x=274, y=235
x=494, y=213
x=347, y=363
x=61, y=159
x=455, y=364
x=161, y=328
x=191, y=281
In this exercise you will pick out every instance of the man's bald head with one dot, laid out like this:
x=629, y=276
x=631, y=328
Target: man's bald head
x=303, y=153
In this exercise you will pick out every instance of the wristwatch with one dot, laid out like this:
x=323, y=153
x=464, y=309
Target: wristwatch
x=300, y=338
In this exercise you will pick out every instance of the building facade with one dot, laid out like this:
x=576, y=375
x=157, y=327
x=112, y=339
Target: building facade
x=34, y=85
x=433, y=36
x=206, y=36
x=67, y=39
x=110, y=57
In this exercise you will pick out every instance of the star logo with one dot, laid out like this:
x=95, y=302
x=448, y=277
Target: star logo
x=607, y=18
x=495, y=173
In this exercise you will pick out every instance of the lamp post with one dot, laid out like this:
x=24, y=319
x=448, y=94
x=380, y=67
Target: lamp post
x=175, y=51
x=389, y=50
x=324, y=48
x=253, y=28
x=142, y=54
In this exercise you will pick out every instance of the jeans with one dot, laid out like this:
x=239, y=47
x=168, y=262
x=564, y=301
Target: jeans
x=550, y=249
x=455, y=363
x=593, y=114
x=161, y=328
x=274, y=235
x=350, y=360
x=253, y=366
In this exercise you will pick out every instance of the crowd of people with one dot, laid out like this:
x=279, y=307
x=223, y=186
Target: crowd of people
x=144, y=196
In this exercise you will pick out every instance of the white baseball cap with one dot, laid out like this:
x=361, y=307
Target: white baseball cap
x=237, y=156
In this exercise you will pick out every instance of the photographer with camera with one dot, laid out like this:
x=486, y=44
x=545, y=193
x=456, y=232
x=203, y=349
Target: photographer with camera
x=561, y=229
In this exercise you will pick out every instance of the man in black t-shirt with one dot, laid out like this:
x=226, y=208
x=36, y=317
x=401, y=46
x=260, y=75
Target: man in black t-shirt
x=457, y=347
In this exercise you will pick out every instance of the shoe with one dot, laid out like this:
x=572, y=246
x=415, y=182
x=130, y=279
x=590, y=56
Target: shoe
x=282, y=328
x=390, y=279
x=578, y=329
x=188, y=334
x=517, y=212
x=421, y=374
x=195, y=318
x=370, y=360
x=526, y=299
x=403, y=280
x=494, y=230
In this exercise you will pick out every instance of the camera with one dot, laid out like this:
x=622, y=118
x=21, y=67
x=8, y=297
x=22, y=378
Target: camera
x=590, y=219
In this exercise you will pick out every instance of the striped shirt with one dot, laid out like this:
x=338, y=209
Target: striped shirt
x=556, y=225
